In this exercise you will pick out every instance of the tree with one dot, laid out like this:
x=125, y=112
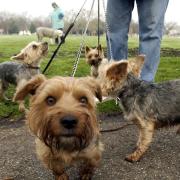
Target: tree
x=93, y=27
x=32, y=27
x=13, y=27
x=134, y=28
x=170, y=26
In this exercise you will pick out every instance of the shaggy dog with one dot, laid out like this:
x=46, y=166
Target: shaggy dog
x=94, y=57
x=24, y=68
x=149, y=105
x=62, y=116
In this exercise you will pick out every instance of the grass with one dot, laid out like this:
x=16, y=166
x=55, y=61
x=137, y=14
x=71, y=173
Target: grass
x=169, y=67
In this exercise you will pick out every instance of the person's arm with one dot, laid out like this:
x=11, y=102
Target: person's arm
x=61, y=14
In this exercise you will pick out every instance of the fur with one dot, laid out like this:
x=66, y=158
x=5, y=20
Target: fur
x=24, y=68
x=62, y=116
x=149, y=105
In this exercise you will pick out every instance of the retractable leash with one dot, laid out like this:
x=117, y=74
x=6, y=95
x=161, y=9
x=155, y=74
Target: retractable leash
x=63, y=38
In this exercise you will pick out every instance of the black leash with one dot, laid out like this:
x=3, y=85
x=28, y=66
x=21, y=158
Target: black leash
x=63, y=38
x=116, y=129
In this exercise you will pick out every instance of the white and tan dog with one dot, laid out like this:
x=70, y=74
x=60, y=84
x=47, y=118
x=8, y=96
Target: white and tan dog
x=48, y=32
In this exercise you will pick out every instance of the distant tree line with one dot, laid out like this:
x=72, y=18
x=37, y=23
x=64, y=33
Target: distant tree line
x=13, y=23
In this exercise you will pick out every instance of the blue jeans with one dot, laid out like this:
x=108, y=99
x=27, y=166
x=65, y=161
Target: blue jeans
x=151, y=24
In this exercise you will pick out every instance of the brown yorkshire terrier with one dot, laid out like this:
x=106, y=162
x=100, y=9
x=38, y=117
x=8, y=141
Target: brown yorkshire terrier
x=149, y=105
x=94, y=57
x=62, y=116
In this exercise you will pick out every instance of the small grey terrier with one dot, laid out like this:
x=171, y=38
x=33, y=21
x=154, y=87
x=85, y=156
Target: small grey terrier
x=27, y=65
x=148, y=105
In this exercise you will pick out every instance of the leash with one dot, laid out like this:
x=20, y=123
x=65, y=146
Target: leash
x=116, y=129
x=84, y=33
x=63, y=38
x=118, y=101
x=76, y=62
x=107, y=31
x=98, y=25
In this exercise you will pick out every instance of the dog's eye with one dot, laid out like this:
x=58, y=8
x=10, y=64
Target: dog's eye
x=83, y=100
x=50, y=100
x=34, y=46
x=96, y=55
x=89, y=57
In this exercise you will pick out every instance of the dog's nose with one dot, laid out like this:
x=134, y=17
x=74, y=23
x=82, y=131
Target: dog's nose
x=69, y=122
x=93, y=62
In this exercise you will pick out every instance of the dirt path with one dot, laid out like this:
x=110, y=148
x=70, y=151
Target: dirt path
x=161, y=162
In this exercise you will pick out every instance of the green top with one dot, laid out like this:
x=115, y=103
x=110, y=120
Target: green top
x=57, y=18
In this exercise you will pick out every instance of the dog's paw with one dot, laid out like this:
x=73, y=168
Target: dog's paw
x=87, y=176
x=64, y=176
x=132, y=158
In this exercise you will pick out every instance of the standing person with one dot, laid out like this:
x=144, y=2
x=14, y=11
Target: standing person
x=151, y=23
x=57, y=19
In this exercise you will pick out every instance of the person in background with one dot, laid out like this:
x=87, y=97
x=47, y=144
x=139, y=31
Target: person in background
x=151, y=24
x=57, y=19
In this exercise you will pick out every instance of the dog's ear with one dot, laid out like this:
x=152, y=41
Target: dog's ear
x=29, y=88
x=99, y=47
x=94, y=86
x=87, y=49
x=101, y=53
x=136, y=64
x=117, y=70
x=20, y=56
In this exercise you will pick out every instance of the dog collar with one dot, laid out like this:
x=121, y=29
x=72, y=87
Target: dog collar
x=33, y=67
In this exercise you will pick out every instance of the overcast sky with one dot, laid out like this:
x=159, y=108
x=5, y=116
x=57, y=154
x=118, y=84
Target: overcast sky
x=37, y=8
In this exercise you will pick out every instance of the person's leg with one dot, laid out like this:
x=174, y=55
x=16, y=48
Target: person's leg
x=151, y=24
x=57, y=40
x=118, y=20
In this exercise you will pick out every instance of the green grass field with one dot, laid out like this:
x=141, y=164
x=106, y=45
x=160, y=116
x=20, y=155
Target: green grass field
x=169, y=67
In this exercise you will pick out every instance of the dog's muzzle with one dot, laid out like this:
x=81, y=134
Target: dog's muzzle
x=93, y=63
x=68, y=139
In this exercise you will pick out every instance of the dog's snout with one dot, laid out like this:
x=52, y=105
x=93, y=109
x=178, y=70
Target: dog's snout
x=69, y=122
x=93, y=62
